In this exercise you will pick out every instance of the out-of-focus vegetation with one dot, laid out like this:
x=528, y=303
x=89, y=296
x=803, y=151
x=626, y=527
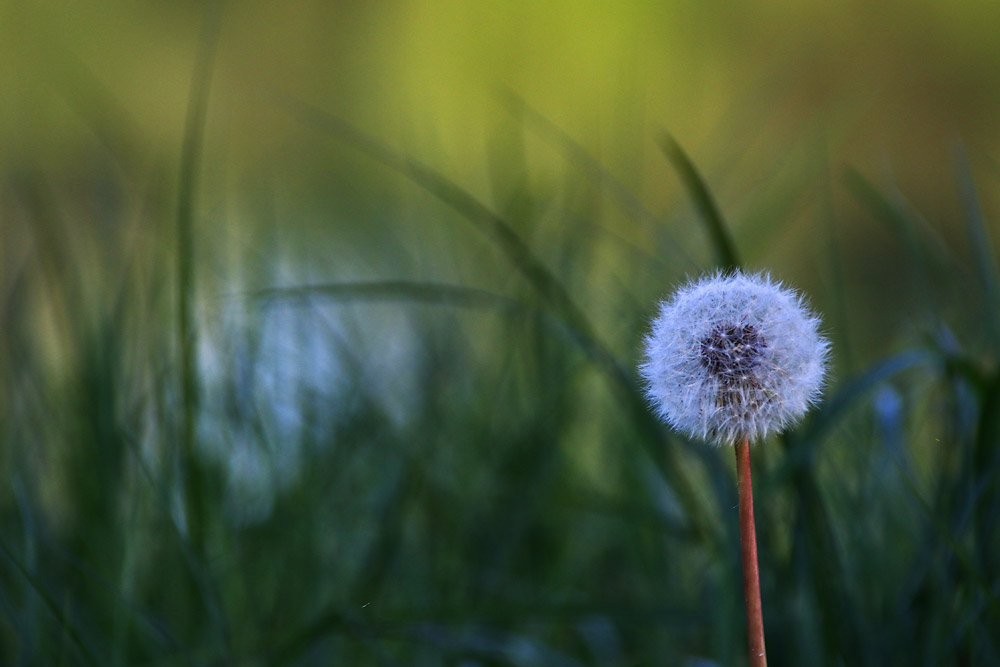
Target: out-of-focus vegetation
x=319, y=324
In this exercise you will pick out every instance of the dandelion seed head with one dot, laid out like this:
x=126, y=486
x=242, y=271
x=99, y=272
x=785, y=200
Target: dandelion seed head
x=734, y=356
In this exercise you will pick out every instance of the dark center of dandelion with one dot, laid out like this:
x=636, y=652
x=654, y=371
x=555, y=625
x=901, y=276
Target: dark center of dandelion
x=730, y=353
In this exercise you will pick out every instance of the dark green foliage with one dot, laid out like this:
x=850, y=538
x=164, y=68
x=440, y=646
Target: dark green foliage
x=400, y=465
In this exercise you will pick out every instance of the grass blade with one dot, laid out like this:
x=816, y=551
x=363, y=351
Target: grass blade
x=191, y=153
x=192, y=149
x=545, y=283
x=898, y=222
x=577, y=155
x=704, y=202
x=64, y=621
x=979, y=241
x=492, y=225
x=802, y=443
x=814, y=533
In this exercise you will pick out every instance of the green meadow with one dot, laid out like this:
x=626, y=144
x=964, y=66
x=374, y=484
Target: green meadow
x=320, y=325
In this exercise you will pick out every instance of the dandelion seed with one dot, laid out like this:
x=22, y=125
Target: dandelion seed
x=734, y=357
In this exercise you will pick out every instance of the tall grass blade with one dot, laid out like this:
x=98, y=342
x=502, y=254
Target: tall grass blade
x=577, y=155
x=64, y=621
x=545, y=283
x=979, y=242
x=187, y=335
x=988, y=591
x=704, y=202
x=837, y=604
x=548, y=286
x=804, y=441
x=835, y=265
x=492, y=225
x=192, y=148
x=899, y=223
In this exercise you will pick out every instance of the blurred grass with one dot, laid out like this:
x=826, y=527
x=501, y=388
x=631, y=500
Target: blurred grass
x=342, y=407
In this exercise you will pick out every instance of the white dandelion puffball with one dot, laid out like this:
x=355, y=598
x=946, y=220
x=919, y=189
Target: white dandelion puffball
x=733, y=357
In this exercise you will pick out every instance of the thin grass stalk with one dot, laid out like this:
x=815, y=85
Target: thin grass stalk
x=748, y=547
x=57, y=610
x=722, y=240
x=548, y=286
x=191, y=150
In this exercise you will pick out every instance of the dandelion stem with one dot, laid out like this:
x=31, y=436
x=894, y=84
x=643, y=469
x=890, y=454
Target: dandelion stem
x=748, y=547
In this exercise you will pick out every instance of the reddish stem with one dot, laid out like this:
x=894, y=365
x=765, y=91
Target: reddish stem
x=748, y=546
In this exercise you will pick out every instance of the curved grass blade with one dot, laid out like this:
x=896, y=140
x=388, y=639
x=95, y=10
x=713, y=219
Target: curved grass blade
x=837, y=598
x=192, y=148
x=395, y=290
x=86, y=94
x=979, y=240
x=64, y=621
x=191, y=152
x=704, y=202
x=840, y=320
x=548, y=286
x=802, y=444
x=452, y=295
x=898, y=222
x=962, y=556
x=489, y=223
x=628, y=393
x=577, y=155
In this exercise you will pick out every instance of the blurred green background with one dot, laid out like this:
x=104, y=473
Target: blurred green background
x=319, y=326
